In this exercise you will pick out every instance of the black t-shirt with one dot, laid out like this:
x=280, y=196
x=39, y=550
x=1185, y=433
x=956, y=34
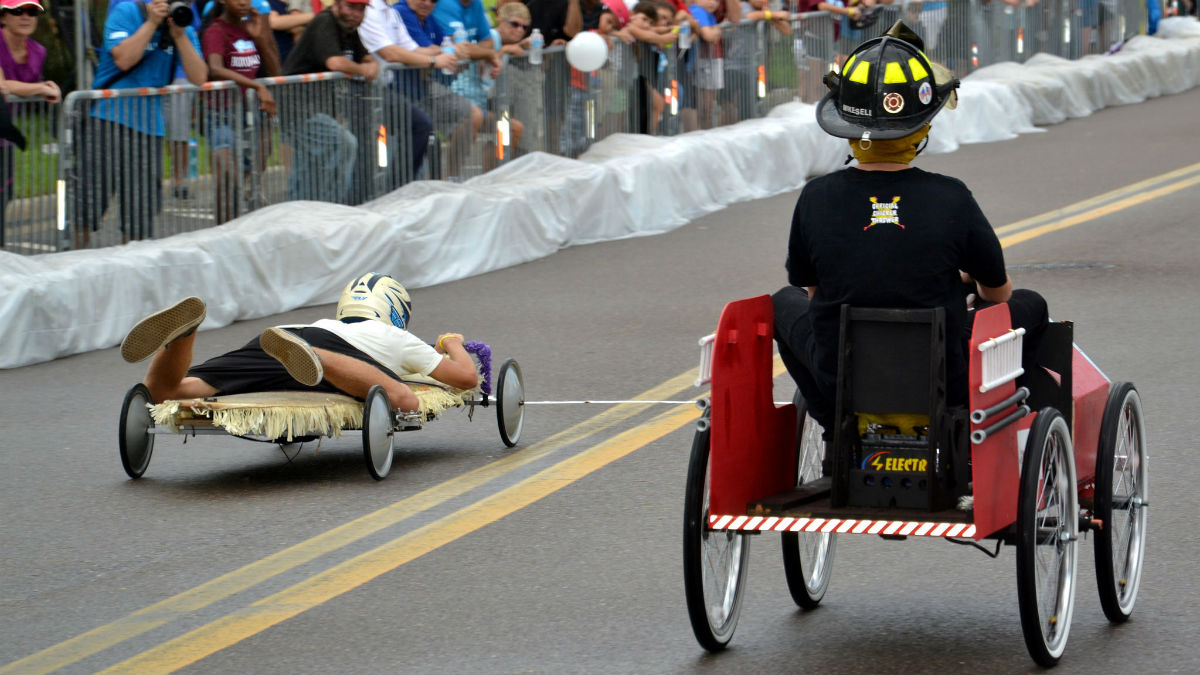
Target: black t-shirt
x=892, y=239
x=591, y=17
x=322, y=39
x=548, y=16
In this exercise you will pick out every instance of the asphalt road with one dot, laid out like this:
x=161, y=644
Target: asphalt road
x=563, y=555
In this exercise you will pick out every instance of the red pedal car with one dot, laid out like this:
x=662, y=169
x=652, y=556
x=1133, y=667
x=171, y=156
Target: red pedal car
x=1027, y=466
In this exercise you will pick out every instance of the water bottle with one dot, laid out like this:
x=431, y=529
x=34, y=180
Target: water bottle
x=193, y=152
x=488, y=82
x=536, y=42
x=799, y=53
x=460, y=32
x=685, y=36
x=447, y=48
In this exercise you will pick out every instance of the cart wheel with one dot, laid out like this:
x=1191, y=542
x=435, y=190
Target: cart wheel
x=134, y=437
x=510, y=402
x=808, y=556
x=714, y=563
x=1122, y=498
x=377, y=432
x=1047, y=538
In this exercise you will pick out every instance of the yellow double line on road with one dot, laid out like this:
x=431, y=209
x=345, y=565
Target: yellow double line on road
x=1099, y=206
x=161, y=613
x=257, y=617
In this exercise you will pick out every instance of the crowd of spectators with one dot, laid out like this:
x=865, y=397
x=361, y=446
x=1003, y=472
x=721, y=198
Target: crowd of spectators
x=454, y=51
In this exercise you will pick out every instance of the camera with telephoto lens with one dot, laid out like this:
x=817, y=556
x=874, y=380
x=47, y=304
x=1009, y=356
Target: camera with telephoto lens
x=180, y=12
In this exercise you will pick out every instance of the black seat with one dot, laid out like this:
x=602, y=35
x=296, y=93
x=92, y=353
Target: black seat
x=895, y=441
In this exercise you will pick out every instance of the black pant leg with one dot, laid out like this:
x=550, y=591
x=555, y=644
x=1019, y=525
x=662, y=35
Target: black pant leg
x=794, y=336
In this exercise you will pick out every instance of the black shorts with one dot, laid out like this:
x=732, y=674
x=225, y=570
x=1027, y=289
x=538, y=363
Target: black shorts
x=250, y=369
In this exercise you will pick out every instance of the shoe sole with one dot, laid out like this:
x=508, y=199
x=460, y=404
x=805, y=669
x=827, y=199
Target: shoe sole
x=161, y=328
x=294, y=353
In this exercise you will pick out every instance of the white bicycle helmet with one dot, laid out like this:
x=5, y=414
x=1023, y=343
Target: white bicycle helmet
x=378, y=297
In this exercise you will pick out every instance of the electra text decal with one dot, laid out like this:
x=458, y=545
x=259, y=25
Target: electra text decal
x=883, y=461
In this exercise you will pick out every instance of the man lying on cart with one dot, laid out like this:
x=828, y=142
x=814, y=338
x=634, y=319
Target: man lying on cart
x=366, y=344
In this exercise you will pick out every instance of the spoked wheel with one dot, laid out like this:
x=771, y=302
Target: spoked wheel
x=1122, y=498
x=377, y=432
x=808, y=556
x=714, y=563
x=510, y=402
x=1047, y=538
x=134, y=439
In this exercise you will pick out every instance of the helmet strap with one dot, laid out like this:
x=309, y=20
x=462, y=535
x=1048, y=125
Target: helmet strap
x=921, y=146
x=898, y=151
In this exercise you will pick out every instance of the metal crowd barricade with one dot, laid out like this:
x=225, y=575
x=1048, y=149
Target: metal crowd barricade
x=473, y=128
x=795, y=63
x=122, y=158
x=518, y=92
x=28, y=179
x=322, y=143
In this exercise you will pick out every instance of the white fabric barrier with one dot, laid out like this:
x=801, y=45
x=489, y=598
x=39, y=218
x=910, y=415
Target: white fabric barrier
x=302, y=253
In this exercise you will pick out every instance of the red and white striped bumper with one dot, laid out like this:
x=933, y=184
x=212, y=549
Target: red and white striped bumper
x=905, y=528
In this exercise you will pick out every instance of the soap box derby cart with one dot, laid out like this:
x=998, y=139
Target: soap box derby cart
x=292, y=418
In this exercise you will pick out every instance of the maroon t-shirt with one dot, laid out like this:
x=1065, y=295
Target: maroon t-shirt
x=235, y=46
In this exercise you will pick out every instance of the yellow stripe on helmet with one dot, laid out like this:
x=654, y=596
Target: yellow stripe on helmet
x=918, y=71
x=893, y=74
x=861, y=72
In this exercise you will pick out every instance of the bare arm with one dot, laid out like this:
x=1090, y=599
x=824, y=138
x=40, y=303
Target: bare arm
x=423, y=56
x=652, y=35
x=368, y=69
x=574, y=22
x=997, y=294
x=458, y=368
x=290, y=20
x=128, y=52
x=733, y=11
x=259, y=29
x=46, y=89
x=193, y=64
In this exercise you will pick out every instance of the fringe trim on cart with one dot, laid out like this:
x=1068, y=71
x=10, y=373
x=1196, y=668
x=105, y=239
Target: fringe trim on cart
x=287, y=415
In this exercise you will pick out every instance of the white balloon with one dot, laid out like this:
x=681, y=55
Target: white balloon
x=587, y=51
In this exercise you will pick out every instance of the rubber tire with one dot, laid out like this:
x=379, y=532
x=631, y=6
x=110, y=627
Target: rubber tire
x=697, y=541
x=806, y=587
x=1047, y=451
x=133, y=438
x=1119, y=588
x=377, y=432
x=510, y=402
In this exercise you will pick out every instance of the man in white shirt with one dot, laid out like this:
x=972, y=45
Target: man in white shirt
x=366, y=344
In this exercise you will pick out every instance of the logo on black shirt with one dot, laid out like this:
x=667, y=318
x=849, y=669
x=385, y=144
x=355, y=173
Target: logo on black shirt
x=885, y=213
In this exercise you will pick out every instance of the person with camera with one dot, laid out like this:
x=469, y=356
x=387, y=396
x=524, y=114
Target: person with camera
x=121, y=140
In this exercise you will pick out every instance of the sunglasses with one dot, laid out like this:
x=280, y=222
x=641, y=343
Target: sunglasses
x=517, y=24
x=25, y=11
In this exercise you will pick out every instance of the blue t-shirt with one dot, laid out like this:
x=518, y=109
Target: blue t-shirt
x=428, y=34
x=702, y=16
x=473, y=18
x=196, y=17
x=156, y=69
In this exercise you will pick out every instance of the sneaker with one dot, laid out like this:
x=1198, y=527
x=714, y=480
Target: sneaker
x=301, y=362
x=181, y=192
x=162, y=328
